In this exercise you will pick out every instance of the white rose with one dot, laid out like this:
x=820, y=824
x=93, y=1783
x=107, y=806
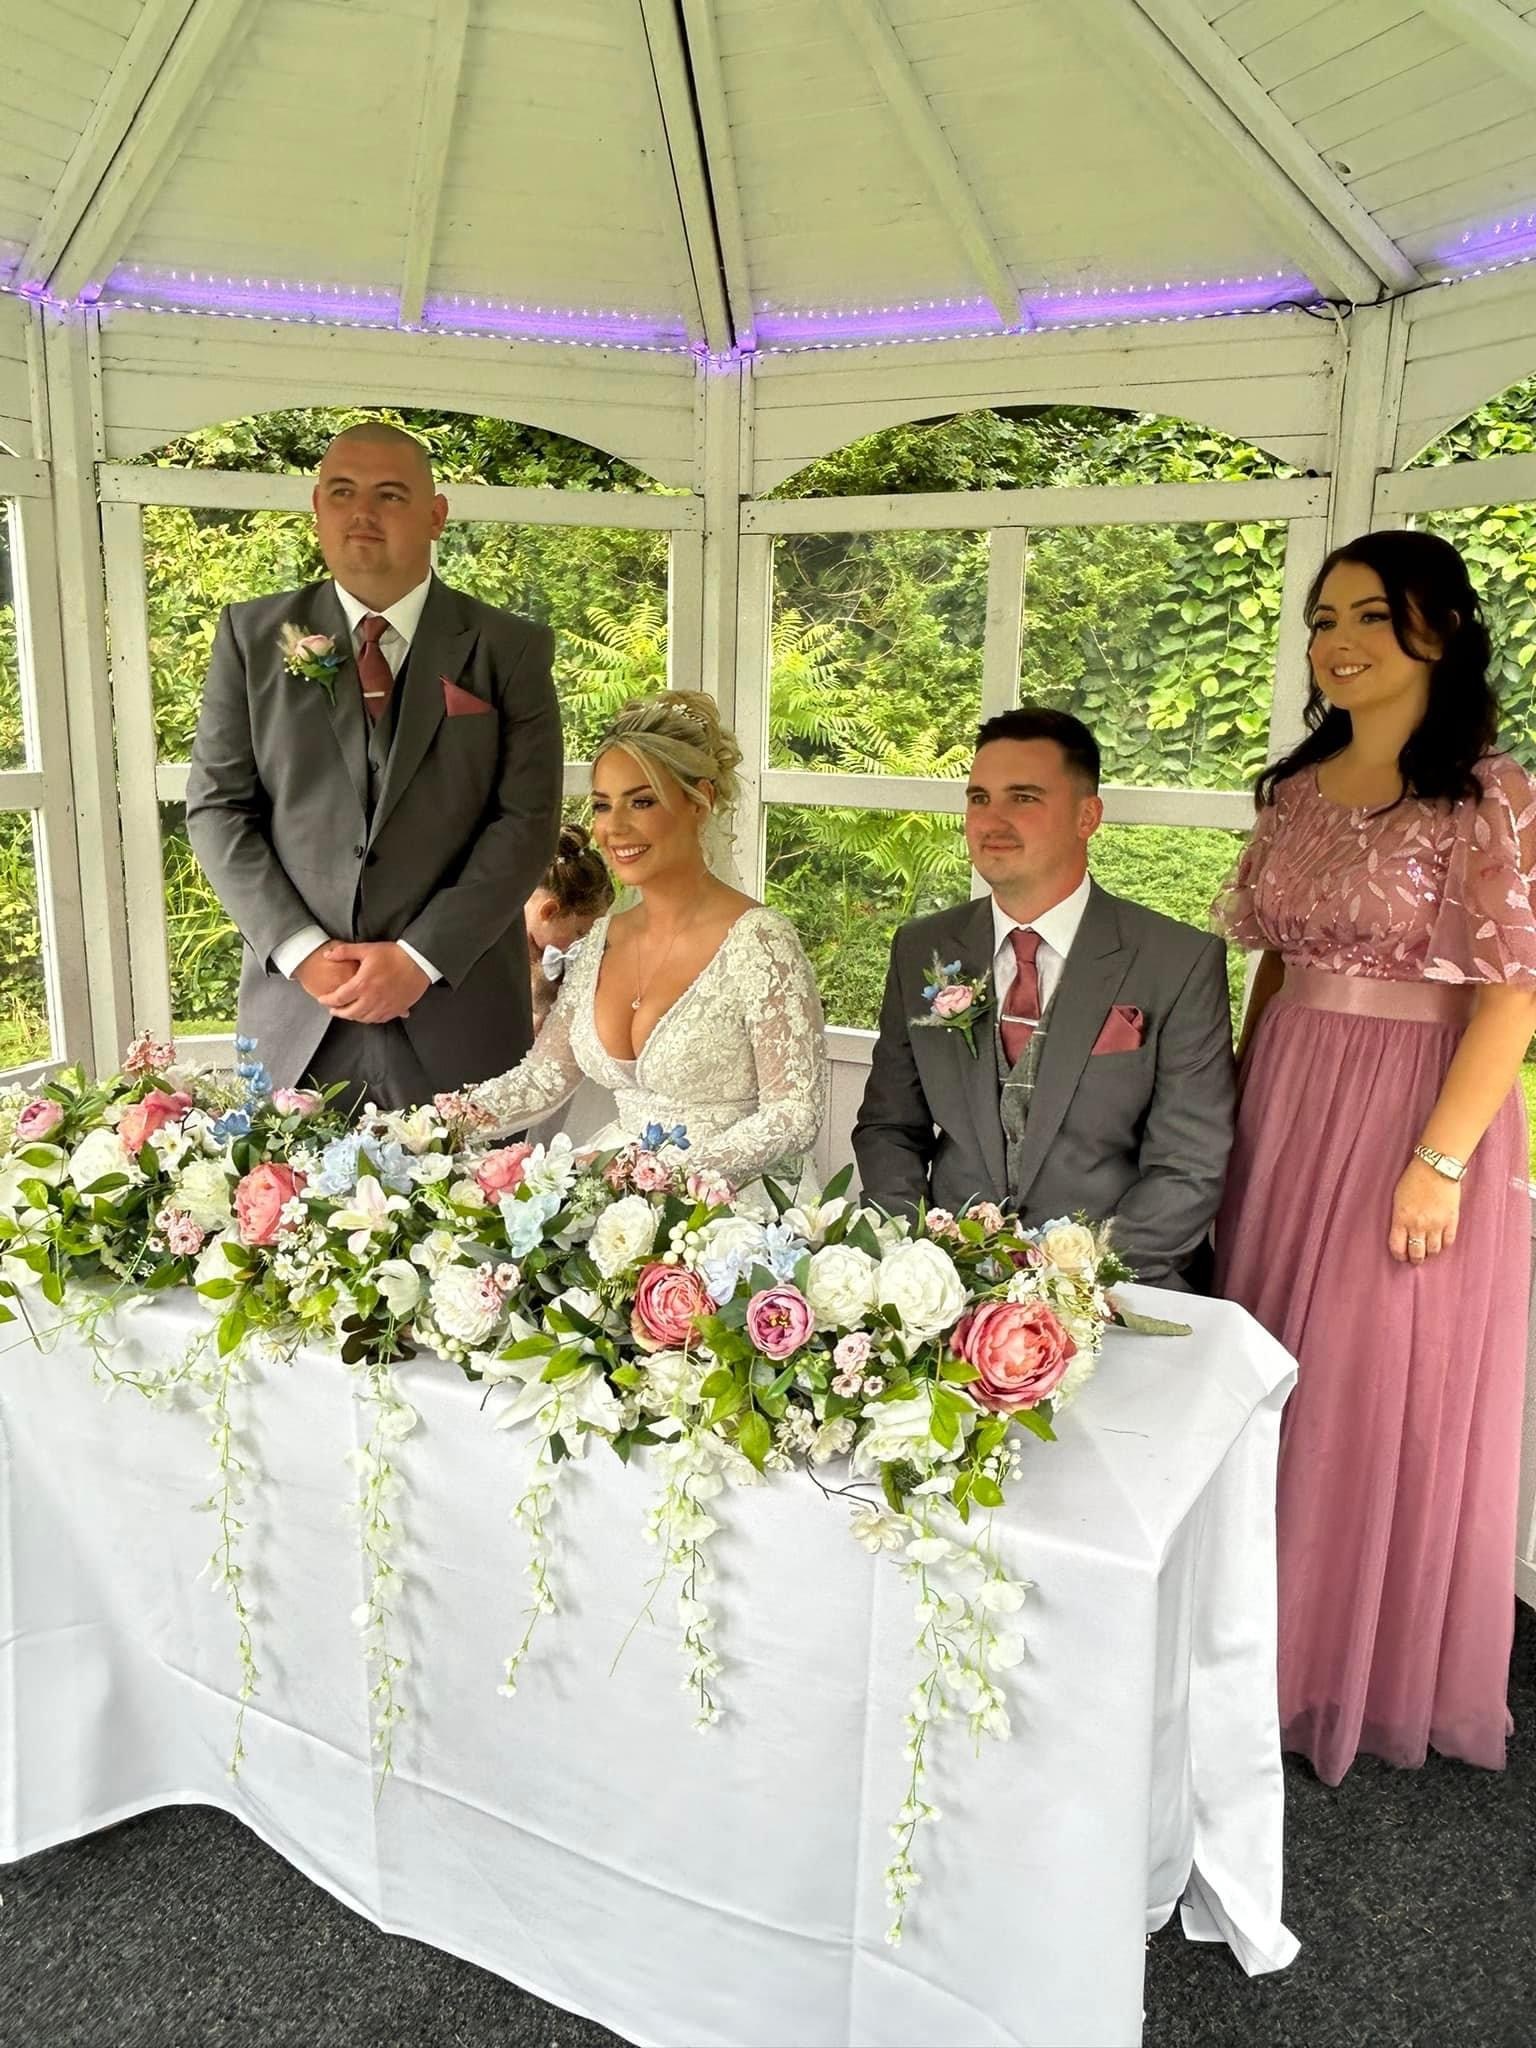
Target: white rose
x=890, y=1231
x=99, y=1153
x=624, y=1232
x=920, y=1282
x=673, y=1379
x=468, y=1194
x=213, y=1265
x=13, y=1173
x=463, y=1306
x=840, y=1286
x=49, y=1166
x=202, y=1192
x=733, y=1236
x=400, y=1284
x=431, y=1168
x=1070, y=1247
x=901, y=1431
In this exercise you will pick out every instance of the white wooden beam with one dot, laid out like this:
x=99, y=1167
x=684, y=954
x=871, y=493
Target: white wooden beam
x=1049, y=505
x=1488, y=26
x=445, y=62
x=720, y=162
x=1213, y=58
x=158, y=128
x=674, y=94
x=1453, y=486
x=1123, y=35
x=1221, y=809
x=924, y=135
x=137, y=66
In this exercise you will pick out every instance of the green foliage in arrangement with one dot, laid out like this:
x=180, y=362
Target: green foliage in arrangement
x=1163, y=638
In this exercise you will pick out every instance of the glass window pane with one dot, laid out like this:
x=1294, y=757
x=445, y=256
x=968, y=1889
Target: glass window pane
x=1162, y=639
x=203, y=945
x=13, y=737
x=194, y=564
x=24, y=1027
x=603, y=589
x=877, y=646
x=1499, y=544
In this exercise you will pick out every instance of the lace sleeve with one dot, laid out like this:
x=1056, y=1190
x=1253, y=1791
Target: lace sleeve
x=545, y=1077
x=1234, y=914
x=773, y=981
x=1485, y=928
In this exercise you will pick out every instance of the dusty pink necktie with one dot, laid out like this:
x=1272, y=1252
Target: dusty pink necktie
x=1021, y=1005
x=372, y=669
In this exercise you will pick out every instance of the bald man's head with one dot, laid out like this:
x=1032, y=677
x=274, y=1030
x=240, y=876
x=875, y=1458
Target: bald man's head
x=377, y=512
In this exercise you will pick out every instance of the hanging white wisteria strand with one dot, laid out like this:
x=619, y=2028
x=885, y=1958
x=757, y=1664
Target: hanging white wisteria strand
x=624, y=1299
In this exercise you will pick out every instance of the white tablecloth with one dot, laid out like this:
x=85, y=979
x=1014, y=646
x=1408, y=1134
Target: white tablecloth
x=582, y=1839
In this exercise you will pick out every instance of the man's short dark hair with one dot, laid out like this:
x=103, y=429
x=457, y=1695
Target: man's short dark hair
x=1040, y=722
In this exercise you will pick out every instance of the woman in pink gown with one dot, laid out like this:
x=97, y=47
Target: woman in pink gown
x=1388, y=882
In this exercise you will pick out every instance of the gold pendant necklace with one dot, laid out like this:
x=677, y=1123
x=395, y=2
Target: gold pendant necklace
x=666, y=956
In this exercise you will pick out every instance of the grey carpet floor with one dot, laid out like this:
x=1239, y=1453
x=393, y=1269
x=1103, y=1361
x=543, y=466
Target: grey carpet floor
x=1413, y=1893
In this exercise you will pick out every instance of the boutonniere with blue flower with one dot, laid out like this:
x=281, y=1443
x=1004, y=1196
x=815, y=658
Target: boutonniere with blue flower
x=955, y=1001
x=313, y=657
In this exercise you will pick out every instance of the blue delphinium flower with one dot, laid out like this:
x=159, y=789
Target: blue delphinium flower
x=782, y=1251
x=525, y=1220
x=654, y=1136
x=235, y=1123
x=344, y=1159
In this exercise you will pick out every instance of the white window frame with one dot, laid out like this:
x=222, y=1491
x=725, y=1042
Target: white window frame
x=145, y=782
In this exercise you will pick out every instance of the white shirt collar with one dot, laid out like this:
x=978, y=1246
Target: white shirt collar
x=404, y=615
x=1057, y=926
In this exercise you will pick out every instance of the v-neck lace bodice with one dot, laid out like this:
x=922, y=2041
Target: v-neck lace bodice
x=739, y=1058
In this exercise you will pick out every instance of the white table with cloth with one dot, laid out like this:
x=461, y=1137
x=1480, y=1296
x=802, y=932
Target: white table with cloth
x=582, y=1839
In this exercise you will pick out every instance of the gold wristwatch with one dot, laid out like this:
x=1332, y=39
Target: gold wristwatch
x=1442, y=1162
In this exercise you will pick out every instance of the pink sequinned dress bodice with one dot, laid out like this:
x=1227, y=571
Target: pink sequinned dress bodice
x=1421, y=892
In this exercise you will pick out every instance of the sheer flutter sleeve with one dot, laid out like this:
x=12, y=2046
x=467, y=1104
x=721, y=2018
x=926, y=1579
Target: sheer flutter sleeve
x=773, y=981
x=1485, y=928
x=550, y=1074
x=1234, y=914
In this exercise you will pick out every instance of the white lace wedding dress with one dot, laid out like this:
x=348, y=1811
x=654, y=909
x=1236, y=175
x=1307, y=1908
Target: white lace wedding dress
x=739, y=1058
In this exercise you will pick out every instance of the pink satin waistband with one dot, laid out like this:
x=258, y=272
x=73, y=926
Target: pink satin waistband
x=1358, y=995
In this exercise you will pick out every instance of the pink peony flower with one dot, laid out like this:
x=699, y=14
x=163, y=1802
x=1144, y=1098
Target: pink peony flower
x=184, y=1239
x=260, y=1199
x=988, y=1215
x=851, y=1353
x=1019, y=1349
x=953, y=1000
x=649, y=1175
x=297, y=1101
x=37, y=1120
x=501, y=1172
x=669, y=1301
x=142, y=1119
x=712, y=1188
x=779, y=1321
x=148, y=1055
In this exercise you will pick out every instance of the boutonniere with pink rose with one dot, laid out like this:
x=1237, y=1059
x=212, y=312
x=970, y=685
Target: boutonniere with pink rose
x=313, y=657
x=955, y=1002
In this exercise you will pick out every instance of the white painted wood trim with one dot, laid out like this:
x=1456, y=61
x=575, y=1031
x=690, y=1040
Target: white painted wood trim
x=22, y=479
x=22, y=789
x=723, y=402
x=754, y=665
x=1214, y=60
x=1495, y=31
x=207, y=39
x=1366, y=422
x=1054, y=505
x=170, y=782
x=127, y=483
x=720, y=163
x=133, y=719
x=138, y=63
x=924, y=135
x=685, y=612
x=1497, y=480
x=1306, y=543
x=1119, y=34
x=1008, y=552
x=445, y=61
x=674, y=93
x=1230, y=810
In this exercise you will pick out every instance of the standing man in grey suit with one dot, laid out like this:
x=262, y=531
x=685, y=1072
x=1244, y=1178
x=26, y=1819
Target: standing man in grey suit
x=375, y=793
x=1102, y=1076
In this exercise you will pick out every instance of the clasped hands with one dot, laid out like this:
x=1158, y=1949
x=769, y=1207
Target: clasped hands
x=366, y=981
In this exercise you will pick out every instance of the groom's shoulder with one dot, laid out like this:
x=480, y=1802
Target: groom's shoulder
x=495, y=621
x=1174, y=941
x=919, y=936
x=251, y=614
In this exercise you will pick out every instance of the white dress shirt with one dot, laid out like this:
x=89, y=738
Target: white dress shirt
x=402, y=618
x=1057, y=928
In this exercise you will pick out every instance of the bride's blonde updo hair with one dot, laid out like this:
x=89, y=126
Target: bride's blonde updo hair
x=677, y=738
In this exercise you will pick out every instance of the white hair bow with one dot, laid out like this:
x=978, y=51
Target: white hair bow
x=554, y=962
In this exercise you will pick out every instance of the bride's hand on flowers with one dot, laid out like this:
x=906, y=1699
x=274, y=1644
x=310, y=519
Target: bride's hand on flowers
x=1425, y=1210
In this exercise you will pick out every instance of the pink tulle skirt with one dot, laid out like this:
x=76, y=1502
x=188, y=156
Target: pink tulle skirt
x=1400, y=1448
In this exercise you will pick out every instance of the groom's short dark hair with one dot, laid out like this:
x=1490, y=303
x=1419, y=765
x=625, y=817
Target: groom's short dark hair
x=1040, y=722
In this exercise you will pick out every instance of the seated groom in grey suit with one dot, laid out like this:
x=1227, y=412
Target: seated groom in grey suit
x=374, y=794
x=1101, y=1079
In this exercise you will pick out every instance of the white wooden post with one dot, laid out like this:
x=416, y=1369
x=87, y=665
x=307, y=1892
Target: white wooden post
x=1366, y=428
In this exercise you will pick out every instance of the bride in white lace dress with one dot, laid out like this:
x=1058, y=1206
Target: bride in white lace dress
x=698, y=1006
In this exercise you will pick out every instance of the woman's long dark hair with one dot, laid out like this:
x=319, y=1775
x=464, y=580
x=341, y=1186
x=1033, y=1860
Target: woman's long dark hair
x=1428, y=593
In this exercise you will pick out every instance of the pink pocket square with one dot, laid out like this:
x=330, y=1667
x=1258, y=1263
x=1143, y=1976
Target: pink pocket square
x=459, y=703
x=1124, y=1030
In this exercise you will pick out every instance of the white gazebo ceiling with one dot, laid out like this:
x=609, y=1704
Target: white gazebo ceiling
x=739, y=174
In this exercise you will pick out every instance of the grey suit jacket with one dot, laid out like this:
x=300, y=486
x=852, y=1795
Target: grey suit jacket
x=1139, y=1136
x=462, y=830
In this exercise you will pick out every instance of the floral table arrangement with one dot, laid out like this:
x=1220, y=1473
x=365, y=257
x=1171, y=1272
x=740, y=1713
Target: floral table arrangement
x=729, y=1336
